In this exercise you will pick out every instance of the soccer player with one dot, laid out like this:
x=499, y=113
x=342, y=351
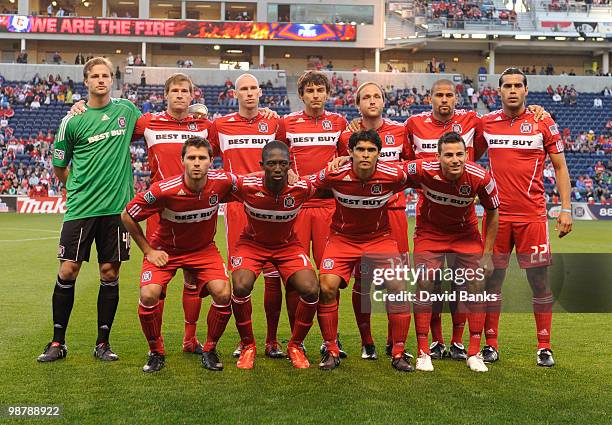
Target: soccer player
x=360, y=226
x=448, y=230
x=518, y=147
x=272, y=205
x=187, y=205
x=91, y=156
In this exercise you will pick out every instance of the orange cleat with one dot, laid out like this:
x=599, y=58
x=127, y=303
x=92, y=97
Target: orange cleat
x=298, y=357
x=247, y=357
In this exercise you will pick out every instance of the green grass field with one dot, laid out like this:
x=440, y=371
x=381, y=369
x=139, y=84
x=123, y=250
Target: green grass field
x=576, y=390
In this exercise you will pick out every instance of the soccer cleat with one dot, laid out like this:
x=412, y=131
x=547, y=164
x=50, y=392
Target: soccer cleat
x=103, y=352
x=423, y=362
x=247, y=357
x=210, y=361
x=329, y=361
x=402, y=363
x=343, y=354
x=297, y=356
x=192, y=346
x=368, y=352
x=155, y=363
x=53, y=351
x=389, y=349
x=545, y=357
x=274, y=350
x=238, y=350
x=476, y=363
x=437, y=350
x=457, y=351
x=489, y=354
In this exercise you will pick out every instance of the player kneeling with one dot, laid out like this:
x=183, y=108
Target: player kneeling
x=187, y=205
x=272, y=205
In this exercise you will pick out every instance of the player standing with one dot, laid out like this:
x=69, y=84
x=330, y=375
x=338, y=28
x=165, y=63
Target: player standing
x=271, y=206
x=518, y=146
x=187, y=205
x=99, y=184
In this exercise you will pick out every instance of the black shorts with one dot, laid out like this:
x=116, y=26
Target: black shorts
x=112, y=240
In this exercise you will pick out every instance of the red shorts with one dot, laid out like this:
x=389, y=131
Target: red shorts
x=531, y=242
x=287, y=258
x=203, y=266
x=343, y=254
x=312, y=224
x=431, y=249
x=399, y=228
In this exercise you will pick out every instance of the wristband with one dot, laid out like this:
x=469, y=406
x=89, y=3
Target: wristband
x=567, y=210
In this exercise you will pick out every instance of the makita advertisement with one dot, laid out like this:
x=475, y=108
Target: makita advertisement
x=43, y=205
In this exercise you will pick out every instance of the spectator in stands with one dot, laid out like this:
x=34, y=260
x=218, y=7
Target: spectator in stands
x=130, y=59
x=556, y=97
x=79, y=59
x=57, y=59
x=597, y=103
x=50, y=10
x=60, y=12
x=143, y=79
x=607, y=92
x=118, y=78
x=22, y=57
x=609, y=127
x=329, y=66
x=138, y=61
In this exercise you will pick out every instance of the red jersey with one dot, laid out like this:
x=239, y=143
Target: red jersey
x=517, y=151
x=313, y=142
x=188, y=220
x=270, y=217
x=424, y=131
x=393, y=137
x=448, y=205
x=164, y=136
x=240, y=140
x=361, y=207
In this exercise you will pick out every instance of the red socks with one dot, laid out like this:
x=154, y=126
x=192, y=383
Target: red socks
x=304, y=314
x=150, y=321
x=328, y=322
x=192, y=303
x=399, y=318
x=243, y=309
x=491, y=326
x=542, y=311
x=292, y=298
x=422, y=319
x=362, y=314
x=476, y=318
x=217, y=319
x=273, y=302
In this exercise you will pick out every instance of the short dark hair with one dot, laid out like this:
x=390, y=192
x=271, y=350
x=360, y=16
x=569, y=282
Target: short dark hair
x=442, y=82
x=365, y=136
x=512, y=71
x=197, y=142
x=450, y=137
x=274, y=144
x=313, y=77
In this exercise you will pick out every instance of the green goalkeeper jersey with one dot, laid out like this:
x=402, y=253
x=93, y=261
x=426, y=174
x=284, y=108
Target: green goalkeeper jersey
x=96, y=144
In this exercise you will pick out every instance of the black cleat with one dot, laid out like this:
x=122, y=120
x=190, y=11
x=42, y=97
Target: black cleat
x=237, y=351
x=437, y=350
x=274, y=350
x=103, y=352
x=368, y=352
x=155, y=363
x=489, y=354
x=343, y=354
x=329, y=361
x=389, y=349
x=457, y=351
x=545, y=357
x=210, y=360
x=53, y=351
x=402, y=363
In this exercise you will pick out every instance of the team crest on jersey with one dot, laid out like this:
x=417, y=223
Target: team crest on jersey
x=60, y=251
x=146, y=276
x=59, y=154
x=377, y=189
x=327, y=125
x=389, y=139
x=122, y=122
x=412, y=169
x=457, y=128
x=322, y=175
x=327, y=264
x=526, y=128
x=262, y=127
x=289, y=201
x=213, y=200
x=192, y=126
x=236, y=261
x=465, y=189
x=149, y=197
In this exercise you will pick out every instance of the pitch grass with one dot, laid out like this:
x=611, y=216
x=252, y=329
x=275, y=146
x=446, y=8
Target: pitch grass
x=577, y=390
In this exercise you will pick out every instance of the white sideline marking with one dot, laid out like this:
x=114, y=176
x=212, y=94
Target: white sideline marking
x=31, y=230
x=27, y=240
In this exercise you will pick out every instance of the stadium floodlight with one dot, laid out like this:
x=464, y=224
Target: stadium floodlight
x=541, y=37
x=560, y=38
x=600, y=39
x=216, y=47
x=234, y=51
x=522, y=37
x=479, y=36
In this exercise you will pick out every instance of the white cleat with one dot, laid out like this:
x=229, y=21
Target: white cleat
x=423, y=362
x=476, y=363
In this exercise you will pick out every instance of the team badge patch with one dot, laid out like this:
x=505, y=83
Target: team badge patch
x=465, y=189
x=376, y=189
x=322, y=174
x=327, y=125
x=60, y=251
x=149, y=197
x=59, y=154
x=262, y=127
x=412, y=169
x=236, y=261
x=327, y=264
x=554, y=129
x=526, y=127
x=457, y=128
x=389, y=139
x=146, y=276
x=213, y=200
x=192, y=126
x=122, y=122
x=289, y=201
